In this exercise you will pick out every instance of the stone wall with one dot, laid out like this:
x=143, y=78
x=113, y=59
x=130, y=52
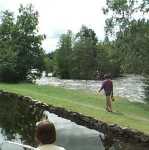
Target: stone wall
x=113, y=133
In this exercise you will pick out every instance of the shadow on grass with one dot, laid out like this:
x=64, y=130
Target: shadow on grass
x=117, y=113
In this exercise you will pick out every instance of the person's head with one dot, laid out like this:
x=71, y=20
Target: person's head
x=107, y=76
x=45, y=132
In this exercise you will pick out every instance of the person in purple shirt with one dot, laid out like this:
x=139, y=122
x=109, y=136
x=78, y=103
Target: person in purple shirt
x=107, y=86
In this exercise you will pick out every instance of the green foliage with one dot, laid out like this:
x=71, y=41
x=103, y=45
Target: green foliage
x=131, y=38
x=49, y=62
x=20, y=45
x=7, y=65
x=30, y=53
x=145, y=6
x=120, y=12
x=80, y=57
x=63, y=55
x=8, y=53
x=135, y=51
x=84, y=54
x=107, y=59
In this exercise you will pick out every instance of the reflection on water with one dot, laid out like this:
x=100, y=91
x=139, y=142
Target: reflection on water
x=18, y=120
x=129, y=86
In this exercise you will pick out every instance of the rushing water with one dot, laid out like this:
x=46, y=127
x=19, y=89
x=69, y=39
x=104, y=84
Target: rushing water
x=18, y=120
x=133, y=87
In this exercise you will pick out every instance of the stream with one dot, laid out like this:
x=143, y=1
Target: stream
x=133, y=87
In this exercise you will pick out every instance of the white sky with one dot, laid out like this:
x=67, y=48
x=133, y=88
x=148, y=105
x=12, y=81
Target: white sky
x=57, y=16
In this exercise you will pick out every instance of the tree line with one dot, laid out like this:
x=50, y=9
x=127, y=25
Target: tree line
x=125, y=48
x=80, y=55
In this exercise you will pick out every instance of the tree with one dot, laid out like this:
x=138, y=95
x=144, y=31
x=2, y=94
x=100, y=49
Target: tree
x=131, y=38
x=107, y=59
x=134, y=53
x=84, y=54
x=144, y=6
x=49, y=62
x=120, y=13
x=29, y=51
x=8, y=53
x=80, y=57
x=20, y=44
x=63, y=55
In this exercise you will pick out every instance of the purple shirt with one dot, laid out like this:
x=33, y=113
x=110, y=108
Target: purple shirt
x=107, y=85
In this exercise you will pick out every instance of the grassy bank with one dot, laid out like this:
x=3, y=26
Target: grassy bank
x=127, y=114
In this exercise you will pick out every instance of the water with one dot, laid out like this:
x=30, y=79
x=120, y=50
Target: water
x=18, y=122
x=133, y=87
x=75, y=137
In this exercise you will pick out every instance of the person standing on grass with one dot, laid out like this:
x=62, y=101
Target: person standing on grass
x=107, y=85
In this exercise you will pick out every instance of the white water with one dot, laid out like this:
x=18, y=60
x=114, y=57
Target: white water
x=130, y=86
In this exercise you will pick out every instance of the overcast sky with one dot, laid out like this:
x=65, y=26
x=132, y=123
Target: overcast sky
x=57, y=16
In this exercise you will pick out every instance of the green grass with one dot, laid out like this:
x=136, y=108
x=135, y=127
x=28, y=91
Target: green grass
x=127, y=114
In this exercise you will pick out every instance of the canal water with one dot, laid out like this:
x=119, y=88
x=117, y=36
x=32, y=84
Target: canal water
x=133, y=87
x=18, y=122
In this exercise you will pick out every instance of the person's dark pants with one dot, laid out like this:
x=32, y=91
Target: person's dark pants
x=108, y=93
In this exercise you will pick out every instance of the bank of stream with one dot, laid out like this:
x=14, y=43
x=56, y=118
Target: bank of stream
x=133, y=87
x=19, y=115
x=18, y=118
